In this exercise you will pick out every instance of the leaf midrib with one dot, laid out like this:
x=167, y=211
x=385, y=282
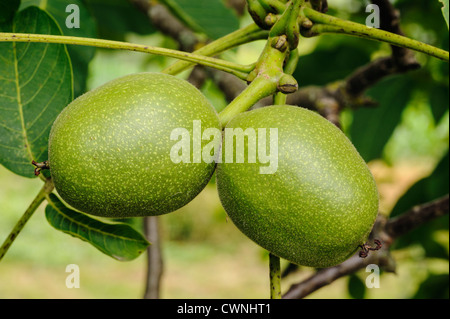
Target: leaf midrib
x=19, y=101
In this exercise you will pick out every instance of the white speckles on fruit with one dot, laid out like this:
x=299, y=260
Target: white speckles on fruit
x=319, y=205
x=109, y=149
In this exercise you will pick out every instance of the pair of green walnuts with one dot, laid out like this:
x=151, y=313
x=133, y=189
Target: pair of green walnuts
x=110, y=155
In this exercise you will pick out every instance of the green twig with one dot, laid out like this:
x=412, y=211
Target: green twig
x=291, y=65
x=258, y=89
x=279, y=98
x=244, y=35
x=264, y=80
x=45, y=190
x=236, y=69
x=276, y=5
x=327, y=24
x=280, y=27
x=275, y=276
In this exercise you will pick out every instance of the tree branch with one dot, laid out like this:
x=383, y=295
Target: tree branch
x=165, y=21
x=320, y=5
x=417, y=216
x=162, y=19
x=401, y=60
x=384, y=230
x=390, y=21
x=154, y=258
x=170, y=25
x=331, y=99
x=321, y=99
x=237, y=5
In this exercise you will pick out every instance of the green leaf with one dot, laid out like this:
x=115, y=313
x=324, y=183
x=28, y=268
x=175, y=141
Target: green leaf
x=425, y=190
x=211, y=17
x=7, y=10
x=356, y=287
x=35, y=85
x=372, y=127
x=434, y=287
x=116, y=18
x=80, y=55
x=119, y=241
x=438, y=97
x=445, y=10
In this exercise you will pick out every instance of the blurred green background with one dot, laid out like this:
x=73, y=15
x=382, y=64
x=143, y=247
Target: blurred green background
x=205, y=256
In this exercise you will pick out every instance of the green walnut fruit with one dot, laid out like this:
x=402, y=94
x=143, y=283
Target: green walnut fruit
x=110, y=149
x=313, y=202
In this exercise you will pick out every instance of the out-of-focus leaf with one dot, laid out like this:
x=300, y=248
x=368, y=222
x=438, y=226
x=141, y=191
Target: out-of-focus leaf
x=439, y=97
x=211, y=17
x=356, y=287
x=334, y=58
x=372, y=127
x=412, y=12
x=426, y=190
x=7, y=10
x=116, y=18
x=80, y=55
x=434, y=287
x=119, y=241
x=35, y=85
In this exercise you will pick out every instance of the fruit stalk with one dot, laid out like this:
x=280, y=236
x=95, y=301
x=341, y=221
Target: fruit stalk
x=40, y=197
x=275, y=5
x=275, y=276
x=264, y=80
x=280, y=98
x=327, y=24
x=268, y=76
x=258, y=89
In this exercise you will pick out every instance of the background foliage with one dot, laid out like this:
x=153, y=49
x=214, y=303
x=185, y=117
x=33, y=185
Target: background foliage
x=404, y=138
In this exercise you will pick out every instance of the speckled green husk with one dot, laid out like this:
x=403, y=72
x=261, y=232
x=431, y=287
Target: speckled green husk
x=319, y=205
x=109, y=150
